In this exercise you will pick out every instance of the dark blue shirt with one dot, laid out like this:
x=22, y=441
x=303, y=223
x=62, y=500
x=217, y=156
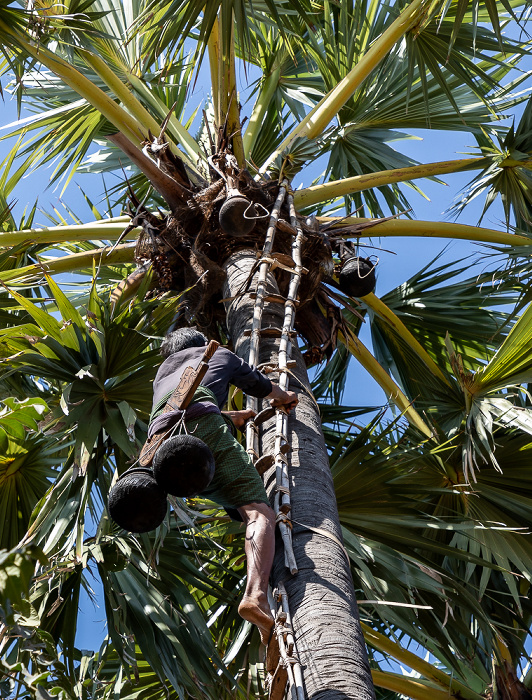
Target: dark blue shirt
x=225, y=368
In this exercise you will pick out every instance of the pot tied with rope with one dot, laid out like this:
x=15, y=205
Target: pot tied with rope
x=237, y=214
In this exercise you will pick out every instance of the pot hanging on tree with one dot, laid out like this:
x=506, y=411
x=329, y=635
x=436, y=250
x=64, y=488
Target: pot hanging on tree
x=237, y=214
x=357, y=277
x=183, y=466
x=136, y=502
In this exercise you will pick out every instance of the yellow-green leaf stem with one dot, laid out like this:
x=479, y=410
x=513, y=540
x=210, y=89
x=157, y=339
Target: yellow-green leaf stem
x=213, y=46
x=260, y=108
x=386, y=314
x=224, y=87
x=324, y=112
x=387, y=646
x=115, y=114
x=111, y=220
x=230, y=110
x=107, y=231
x=349, y=185
x=427, y=229
x=72, y=263
x=125, y=96
x=190, y=146
x=387, y=384
x=408, y=687
x=137, y=109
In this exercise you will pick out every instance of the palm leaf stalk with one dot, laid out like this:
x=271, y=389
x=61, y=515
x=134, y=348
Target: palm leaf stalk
x=229, y=111
x=260, y=108
x=72, y=263
x=130, y=102
x=378, y=307
x=388, y=646
x=214, y=52
x=111, y=229
x=349, y=185
x=123, y=121
x=429, y=229
x=407, y=687
x=392, y=391
x=130, y=131
x=105, y=229
x=175, y=127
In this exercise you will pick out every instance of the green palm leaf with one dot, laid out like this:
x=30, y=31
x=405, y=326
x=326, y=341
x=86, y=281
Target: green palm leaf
x=508, y=173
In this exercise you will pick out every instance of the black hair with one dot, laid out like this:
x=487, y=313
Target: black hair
x=181, y=339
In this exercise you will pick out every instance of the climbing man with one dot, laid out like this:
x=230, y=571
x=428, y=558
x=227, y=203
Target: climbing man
x=236, y=485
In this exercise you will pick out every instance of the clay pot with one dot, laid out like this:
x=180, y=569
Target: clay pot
x=357, y=277
x=237, y=216
x=136, y=502
x=183, y=466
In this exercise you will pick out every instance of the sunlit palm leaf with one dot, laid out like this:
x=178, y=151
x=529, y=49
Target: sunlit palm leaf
x=178, y=19
x=428, y=302
x=508, y=175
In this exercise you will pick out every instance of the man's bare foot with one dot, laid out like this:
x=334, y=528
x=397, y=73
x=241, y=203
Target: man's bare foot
x=258, y=615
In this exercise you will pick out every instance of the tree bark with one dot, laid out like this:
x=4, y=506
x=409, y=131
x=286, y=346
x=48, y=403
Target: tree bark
x=322, y=600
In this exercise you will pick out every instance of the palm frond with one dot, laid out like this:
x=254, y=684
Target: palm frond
x=507, y=175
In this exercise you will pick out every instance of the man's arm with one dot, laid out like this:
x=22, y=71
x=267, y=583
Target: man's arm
x=277, y=397
x=255, y=383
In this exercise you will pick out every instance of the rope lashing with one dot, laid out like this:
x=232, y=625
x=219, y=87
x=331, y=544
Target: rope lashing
x=285, y=667
x=282, y=489
x=283, y=518
x=323, y=533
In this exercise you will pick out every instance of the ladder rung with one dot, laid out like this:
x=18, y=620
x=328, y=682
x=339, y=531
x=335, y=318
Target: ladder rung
x=285, y=227
x=264, y=463
x=264, y=415
x=274, y=299
x=284, y=259
x=268, y=332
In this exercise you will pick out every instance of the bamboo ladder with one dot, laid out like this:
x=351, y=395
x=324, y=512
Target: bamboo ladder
x=283, y=667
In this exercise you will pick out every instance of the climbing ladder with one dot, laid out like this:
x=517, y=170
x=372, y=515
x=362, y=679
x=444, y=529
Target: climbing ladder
x=282, y=663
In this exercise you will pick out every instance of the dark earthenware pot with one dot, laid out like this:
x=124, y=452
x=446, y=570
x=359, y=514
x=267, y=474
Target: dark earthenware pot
x=136, y=502
x=357, y=277
x=183, y=466
x=237, y=216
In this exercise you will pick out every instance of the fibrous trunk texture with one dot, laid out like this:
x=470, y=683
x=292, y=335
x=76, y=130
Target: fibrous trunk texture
x=322, y=600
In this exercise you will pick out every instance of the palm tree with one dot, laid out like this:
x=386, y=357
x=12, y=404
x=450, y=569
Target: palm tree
x=423, y=516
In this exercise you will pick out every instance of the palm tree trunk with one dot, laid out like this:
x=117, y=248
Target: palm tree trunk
x=322, y=600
